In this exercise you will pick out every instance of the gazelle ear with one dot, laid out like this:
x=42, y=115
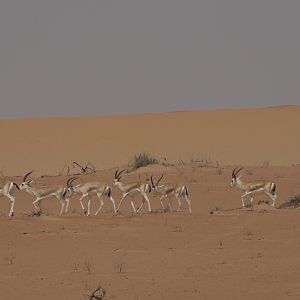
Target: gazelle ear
x=239, y=177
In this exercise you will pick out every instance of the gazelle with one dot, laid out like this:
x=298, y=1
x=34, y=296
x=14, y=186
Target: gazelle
x=7, y=191
x=169, y=191
x=58, y=191
x=252, y=188
x=87, y=189
x=131, y=190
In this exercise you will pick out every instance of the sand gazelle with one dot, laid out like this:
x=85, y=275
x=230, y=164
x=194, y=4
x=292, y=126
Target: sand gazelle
x=89, y=188
x=7, y=190
x=58, y=191
x=132, y=189
x=252, y=188
x=169, y=191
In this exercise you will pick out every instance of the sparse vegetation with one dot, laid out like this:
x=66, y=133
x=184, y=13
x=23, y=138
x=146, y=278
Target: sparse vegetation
x=200, y=162
x=141, y=160
x=248, y=234
x=10, y=259
x=88, y=169
x=64, y=171
x=219, y=171
x=220, y=245
x=293, y=202
x=262, y=202
x=98, y=294
x=120, y=266
x=249, y=172
x=88, y=267
x=177, y=228
x=266, y=163
x=214, y=211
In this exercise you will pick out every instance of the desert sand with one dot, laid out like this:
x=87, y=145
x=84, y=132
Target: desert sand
x=220, y=251
x=246, y=137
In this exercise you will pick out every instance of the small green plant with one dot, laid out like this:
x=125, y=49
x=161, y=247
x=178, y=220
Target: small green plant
x=143, y=159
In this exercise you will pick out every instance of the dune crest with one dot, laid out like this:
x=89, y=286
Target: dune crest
x=239, y=136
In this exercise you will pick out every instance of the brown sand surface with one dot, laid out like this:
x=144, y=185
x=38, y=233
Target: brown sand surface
x=234, y=253
x=247, y=137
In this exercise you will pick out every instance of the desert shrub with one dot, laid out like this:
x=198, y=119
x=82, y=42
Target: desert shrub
x=266, y=163
x=142, y=159
x=249, y=172
x=219, y=171
x=293, y=202
x=98, y=294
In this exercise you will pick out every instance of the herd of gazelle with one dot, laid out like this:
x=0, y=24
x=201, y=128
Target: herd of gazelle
x=180, y=192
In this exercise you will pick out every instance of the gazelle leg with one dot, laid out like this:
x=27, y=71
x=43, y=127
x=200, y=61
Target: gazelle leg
x=89, y=205
x=189, y=203
x=12, y=200
x=170, y=204
x=243, y=202
x=113, y=203
x=143, y=201
x=121, y=202
x=273, y=197
x=133, y=207
x=186, y=198
x=148, y=202
x=251, y=200
x=179, y=203
x=62, y=202
x=101, y=204
x=243, y=196
x=161, y=201
x=80, y=200
x=67, y=206
x=36, y=203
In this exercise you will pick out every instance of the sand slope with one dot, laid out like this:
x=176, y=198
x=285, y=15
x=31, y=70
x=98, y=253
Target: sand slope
x=247, y=137
x=234, y=253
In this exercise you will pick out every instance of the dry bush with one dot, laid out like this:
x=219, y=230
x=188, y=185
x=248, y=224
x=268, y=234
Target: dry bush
x=88, y=169
x=98, y=294
x=64, y=171
x=10, y=259
x=249, y=172
x=88, y=267
x=219, y=171
x=266, y=163
x=293, y=202
x=263, y=202
x=141, y=160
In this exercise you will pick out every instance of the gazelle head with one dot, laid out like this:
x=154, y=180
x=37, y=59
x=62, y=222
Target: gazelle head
x=118, y=176
x=26, y=184
x=157, y=182
x=235, y=177
x=69, y=189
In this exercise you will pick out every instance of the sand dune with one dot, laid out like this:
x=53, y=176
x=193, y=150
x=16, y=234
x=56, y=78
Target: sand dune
x=232, y=253
x=247, y=137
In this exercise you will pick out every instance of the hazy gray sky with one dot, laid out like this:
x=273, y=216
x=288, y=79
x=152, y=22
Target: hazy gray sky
x=75, y=57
